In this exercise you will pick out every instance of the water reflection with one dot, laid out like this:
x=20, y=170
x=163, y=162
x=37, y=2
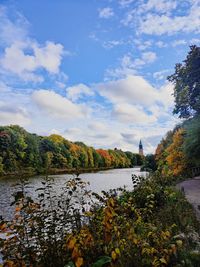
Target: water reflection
x=103, y=180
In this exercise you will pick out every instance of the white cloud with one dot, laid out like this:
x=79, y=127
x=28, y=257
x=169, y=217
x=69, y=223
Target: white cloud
x=149, y=57
x=60, y=84
x=143, y=45
x=111, y=44
x=168, y=24
x=135, y=101
x=146, y=58
x=161, y=44
x=58, y=106
x=97, y=126
x=127, y=113
x=22, y=56
x=166, y=95
x=13, y=115
x=133, y=89
x=125, y=3
x=32, y=57
x=77, y=91
x=129, y=18
x=161, y=75
x=4, y=87
x=161, y=6
x=11, y=32
x=106, y=12
x=129, y=65
x=178, y=42
x=195, y=41
x=49, y=56
x=158, y=17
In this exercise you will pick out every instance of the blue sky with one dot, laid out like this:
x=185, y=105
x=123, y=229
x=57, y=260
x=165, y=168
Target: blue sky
x=94, y=70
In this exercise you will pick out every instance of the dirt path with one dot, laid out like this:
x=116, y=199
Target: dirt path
x=192, y=192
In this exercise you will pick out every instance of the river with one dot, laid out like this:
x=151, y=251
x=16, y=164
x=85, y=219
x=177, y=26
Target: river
x=103, y=180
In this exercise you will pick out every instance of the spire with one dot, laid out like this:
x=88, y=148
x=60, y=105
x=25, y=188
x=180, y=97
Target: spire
x=140, y=144
x=141, y=148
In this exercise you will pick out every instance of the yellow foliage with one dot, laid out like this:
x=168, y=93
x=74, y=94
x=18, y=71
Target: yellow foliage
x=179, y=243
x=114, y=255
x=117, y=251
x=79, y=262
x=71, y=243
x=176, y=159
x=9, y=263
x=163, y=260
x=3, y=227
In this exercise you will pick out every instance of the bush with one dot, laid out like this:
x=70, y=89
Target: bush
x=144, y=227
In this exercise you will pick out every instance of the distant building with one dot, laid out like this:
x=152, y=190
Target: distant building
x=141, y=149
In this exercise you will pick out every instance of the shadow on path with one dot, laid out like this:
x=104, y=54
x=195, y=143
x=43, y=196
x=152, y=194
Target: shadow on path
x=191, y=189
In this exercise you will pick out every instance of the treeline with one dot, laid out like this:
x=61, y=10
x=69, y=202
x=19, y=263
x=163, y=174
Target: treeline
x=179, y=151
x=21, y=151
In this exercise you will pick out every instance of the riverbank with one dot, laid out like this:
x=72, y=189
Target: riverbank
x=53, y=171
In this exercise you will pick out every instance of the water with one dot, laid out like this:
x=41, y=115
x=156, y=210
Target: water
x=103, y=180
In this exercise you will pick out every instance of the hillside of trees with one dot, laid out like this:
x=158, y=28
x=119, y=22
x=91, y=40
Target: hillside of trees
x=179, y=150
x=23, y=152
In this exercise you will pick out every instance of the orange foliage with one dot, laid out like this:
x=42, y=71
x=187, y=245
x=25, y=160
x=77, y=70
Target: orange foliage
x=176, y=158
x=106, y=156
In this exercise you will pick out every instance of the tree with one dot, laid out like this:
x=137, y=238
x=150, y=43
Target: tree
x=192, y=140
x=161, y=152
x=176, y=158
x=132, y=157
x=139, y=160
x=187, y=84
x=105, y=156
x=150, y=162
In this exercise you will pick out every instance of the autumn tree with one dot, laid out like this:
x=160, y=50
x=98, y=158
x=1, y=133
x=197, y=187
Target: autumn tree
x=176, y=158
x=162, y=153
x=106, y=157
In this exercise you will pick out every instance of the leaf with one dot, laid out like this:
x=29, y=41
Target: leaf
x=135, y=241
x=71, y=243
x=75, y=253
x=113, y=255
x=17, y=209
x=179, y=243
x=162, y=260
x=101, y=261
x=167, y=233
x=79, y=262
x=3, y=226
x=117, y=251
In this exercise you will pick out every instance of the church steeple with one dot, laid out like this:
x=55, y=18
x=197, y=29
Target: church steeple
x=141, y=148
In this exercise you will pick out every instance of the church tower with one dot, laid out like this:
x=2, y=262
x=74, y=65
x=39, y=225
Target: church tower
x=141, y=148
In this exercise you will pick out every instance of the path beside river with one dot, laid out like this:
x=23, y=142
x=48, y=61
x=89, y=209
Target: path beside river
x=192, y=192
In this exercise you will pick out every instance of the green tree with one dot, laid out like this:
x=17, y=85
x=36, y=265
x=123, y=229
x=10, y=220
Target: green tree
x=150, y=162
x=192, y=141
x=187, y=85
x=132, y=157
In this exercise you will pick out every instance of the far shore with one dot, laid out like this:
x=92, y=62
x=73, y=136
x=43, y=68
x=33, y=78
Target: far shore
x=54, y=171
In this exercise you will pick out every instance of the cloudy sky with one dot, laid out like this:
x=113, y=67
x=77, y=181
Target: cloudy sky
x=94, y=70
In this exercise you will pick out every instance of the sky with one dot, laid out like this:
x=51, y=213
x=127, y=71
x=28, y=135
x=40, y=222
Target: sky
x=94, y=70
